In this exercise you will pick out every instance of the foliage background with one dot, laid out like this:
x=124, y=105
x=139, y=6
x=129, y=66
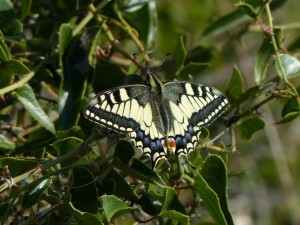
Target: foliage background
x=60, y=49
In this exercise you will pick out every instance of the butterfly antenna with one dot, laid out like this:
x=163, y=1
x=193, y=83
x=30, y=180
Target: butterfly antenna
x=164, y=59
x=144, y=67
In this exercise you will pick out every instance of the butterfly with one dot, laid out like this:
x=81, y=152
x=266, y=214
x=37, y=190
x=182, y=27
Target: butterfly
x=159, y=118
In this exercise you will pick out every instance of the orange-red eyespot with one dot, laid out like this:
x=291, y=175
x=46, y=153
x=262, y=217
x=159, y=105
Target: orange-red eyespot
x=171, y=143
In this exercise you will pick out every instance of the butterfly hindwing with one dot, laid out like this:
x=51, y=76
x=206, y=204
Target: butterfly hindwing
x=193, y=106
x=200, y=103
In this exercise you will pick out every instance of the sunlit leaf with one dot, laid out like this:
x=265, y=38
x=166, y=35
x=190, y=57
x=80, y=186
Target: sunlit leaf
x=33, y=195
x=250, y=126
x=210, y=199
x=214, y=173
x=261, y=60
x=226, y=23
x=114, y=207
x=26, y=97
x=235, y=86
x=6, y=144
x=291, y=66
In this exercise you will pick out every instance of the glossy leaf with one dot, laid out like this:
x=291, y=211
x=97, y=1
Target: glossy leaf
x=15, y=67
x=65, y=37
x=85, y=217
x=226, y=23
x=290, y=111
x=180, y=53
x=214, y=173
x=175, y=216
x=131, y=5
x=121, y=188
x=26, y=97
x=150, y=205
x=144, y=20
x=17, y=166
x=250, y=126
x=235, y=86
x=6, y=144
x=74, y=80
x=172, y=202
x=114, y=207
x=33, y=195
x=83, y=192
x=261, y=60
x=4, y=51
x=25, y=8
x=210, y=199
x=9, y=69
x=248, y=9
x=191, y=69
x=291, y=66
x=66, y=145
x=140, y=171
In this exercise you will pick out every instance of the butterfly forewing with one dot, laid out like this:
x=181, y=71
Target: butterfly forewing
x=120, y=109
x=200, y=103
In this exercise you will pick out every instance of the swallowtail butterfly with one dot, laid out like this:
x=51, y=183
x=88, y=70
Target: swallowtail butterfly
x=160, y=118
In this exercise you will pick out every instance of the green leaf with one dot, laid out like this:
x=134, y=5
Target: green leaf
x=290, y=111
x=120, y=187
x=248, y=9
x=226, y=23
x=292, y=105
x=288, y=117
x=131, y=5
x=66, y=145
x=4, y=51
x=291, y=66
x=140, y=171
x=261, y=60
x=84, y=192
x=8, y=69
x=114, y=207
x=172, y=202
x=191, y=68
x=15, y=66
x=175, y=216
x=124, y=151
x=214, y=173
x=144, y=20
x=6, y=144
x=25, y=8
x=26, y=97
x=75, y=74
x=40, y=44
x=17, y=166
x=65, y=38
x=85, y=217
x=150, y=205
x=250, y=126
x=235, y=86
x=210, y=200
x=180, y=53
x=33, y=195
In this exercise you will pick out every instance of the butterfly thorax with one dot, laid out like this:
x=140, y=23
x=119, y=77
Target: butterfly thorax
x=161, y=111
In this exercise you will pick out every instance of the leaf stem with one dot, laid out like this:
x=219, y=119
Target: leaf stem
x=277, y=54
